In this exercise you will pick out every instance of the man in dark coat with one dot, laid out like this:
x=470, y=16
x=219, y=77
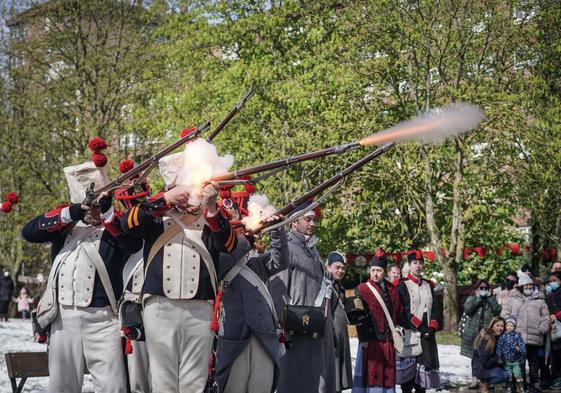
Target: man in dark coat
x=309, y=363
x=249, y=351
x=6, y=291
x=337, y=266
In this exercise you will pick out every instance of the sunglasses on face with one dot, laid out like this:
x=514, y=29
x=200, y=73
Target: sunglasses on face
x=483, y=287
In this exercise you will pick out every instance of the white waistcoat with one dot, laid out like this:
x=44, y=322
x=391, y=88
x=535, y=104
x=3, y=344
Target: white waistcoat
x=76, y=275
x=415, y=294
x=181, y=263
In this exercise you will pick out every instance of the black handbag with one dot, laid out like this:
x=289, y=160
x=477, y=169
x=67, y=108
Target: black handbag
x=304, y=319
x=355, y=310
x=130, y=314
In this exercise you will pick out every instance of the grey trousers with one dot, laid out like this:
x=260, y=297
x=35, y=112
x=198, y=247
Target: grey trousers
x=252, y=371
x=86, y=336
x=179, y=343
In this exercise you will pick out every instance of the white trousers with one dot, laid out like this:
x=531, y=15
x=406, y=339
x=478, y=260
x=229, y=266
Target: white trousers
x=138, y=368
x=252, y=371
x=90, y=336
x=179, y=343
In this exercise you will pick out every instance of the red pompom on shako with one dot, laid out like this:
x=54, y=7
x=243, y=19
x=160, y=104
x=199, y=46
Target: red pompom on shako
x=126, y=165
x=96, y=145
x=13, y=198
x=6, y=207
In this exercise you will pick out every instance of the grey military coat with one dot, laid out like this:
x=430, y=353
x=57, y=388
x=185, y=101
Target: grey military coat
x=309, y=363
x=245, y=312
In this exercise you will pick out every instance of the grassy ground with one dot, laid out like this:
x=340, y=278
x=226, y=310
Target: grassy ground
x=448, y=338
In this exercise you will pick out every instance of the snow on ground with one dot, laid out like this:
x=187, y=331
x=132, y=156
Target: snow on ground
x=17, y=336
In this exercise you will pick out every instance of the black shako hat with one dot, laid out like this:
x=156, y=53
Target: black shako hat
x=379, y=259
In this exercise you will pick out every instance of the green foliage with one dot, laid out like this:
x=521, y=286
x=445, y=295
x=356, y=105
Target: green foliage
x=325, y=72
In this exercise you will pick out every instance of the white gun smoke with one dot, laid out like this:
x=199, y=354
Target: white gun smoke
x=201, y=162
x=259, y=209
x=431, y=127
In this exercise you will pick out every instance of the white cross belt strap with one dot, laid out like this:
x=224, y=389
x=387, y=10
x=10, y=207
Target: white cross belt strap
x=398, y=340
x=199, y=247
x=103, y=275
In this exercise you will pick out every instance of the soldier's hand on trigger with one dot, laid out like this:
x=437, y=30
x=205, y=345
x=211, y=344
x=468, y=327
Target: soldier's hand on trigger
x=78, y=211
x=210, y=195
x=177, y=196
x=105, y=202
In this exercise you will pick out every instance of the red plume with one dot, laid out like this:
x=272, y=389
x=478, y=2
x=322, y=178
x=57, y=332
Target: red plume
x=250, y=188
x=99, y=159
x=186, y=132
x=225, y=192
x=96, y=145
x=380, y=252
x=6, y=207
x=13, y=198
x=126, y=165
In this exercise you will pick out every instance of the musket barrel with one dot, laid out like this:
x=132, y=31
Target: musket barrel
x=231, y=114
x=287, y=161
x=289, y=208
x=152, y=160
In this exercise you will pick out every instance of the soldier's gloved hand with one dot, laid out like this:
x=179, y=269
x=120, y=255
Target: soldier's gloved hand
x=105, y=202
x=210, y=194
x=78, y=211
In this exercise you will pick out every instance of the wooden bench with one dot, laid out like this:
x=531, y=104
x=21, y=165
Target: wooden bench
x=27, y=365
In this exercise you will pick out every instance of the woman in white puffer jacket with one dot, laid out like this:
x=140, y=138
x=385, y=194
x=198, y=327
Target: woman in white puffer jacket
x=530, y=309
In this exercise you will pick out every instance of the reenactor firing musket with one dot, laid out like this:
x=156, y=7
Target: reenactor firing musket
x=140, y=171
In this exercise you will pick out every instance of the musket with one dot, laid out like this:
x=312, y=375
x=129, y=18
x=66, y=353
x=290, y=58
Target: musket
x=227, y=178
x=144, y=167
x=429, y=127
x=289, y=208
x=91, y=194
x=235, y=110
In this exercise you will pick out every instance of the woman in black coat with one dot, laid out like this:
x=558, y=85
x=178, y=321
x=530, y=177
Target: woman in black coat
x=6, y=292
x=553, y=300
x=484, y=363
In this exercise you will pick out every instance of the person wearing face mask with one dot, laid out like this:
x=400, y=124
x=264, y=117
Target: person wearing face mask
x=420, y=314
x=480, y=307
x=503, y=292
x=554, y=304
x=529, y=307
x=485, y=364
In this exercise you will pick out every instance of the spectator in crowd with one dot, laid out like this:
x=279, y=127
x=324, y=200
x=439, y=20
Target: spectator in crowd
x=526, y=269
x=484, y=363
x=23, y=301
x=556, y=267
x=529, y=306
x=6, y=292
x=394, y=274
x=511, y=352
x=480, y=308
x=554, y=304
x=375, y=366
x=506, y=289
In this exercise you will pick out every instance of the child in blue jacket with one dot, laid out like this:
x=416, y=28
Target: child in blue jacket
x=511, y=350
